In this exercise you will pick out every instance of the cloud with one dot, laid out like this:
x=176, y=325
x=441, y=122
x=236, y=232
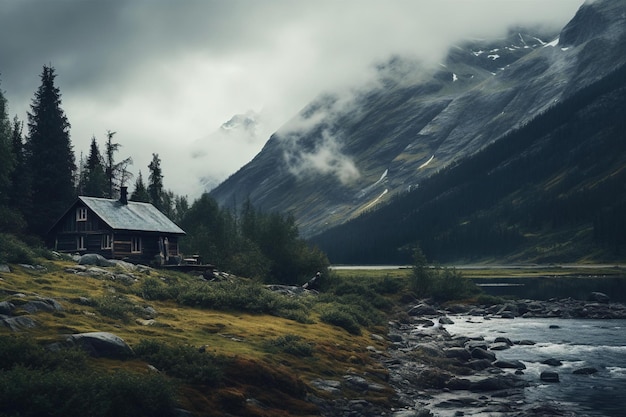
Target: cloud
x=326, y=157
x=163, y=74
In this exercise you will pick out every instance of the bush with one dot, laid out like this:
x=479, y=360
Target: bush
x=449, y=284
x=339, y=317
x=290, y=343
x=117, y=307
x=13, y=250
x=489, y=300
x=35, y=381
x=184, y=362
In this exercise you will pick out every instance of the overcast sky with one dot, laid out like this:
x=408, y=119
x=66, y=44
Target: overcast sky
x=166, y=74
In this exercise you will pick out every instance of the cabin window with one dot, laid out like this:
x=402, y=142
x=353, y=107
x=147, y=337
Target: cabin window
x=81, y=214
x=106, y=242
x=80, y=243
x=135, y=245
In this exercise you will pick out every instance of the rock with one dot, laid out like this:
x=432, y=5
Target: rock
x=101, y=344
x=499, y=346
x=501, y=339
x=458, y=353
x=552, y=362
x=19, y=323
x=445, y=320
x=42, y=304
x=95, y=259
x=526, y=343
x=509, y=364
x=377, y=337
x=422, y=309
x=549, y=376
x=480, y=364
x=4, y=268
x=457, y=384
x=585, y=371
x=480, y=353
x=6, y=307
x=599, y=297
x=496, y=383
x=328, y=385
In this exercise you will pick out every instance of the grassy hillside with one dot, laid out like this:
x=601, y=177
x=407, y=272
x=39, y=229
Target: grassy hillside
x=221, y=348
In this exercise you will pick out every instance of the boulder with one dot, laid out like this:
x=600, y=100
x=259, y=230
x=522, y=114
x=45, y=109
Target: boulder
x=599, y=297
x=4, y=268
x=422, y=309
x=42, y=304
x=509, y=364
x=95, y=259
x=19, y=323
x=458, y=353
x=585, y=371
x=101, y=344
x=479, y=364
x=501, y=339
x=480, y=353
x=552, y=362
x=499, y=346
x=496, y=383
x=6, y=307
x=549, y=376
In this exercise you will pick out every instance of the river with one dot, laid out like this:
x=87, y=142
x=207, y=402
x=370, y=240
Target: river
x=600, y=344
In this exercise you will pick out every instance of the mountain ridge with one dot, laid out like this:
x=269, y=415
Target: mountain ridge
x=342, y=156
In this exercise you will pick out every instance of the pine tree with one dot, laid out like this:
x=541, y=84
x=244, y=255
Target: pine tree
x=95, y=181
x=6, y=156
x=155, y=185
x=140, y=193
x=117, y=174
x=50, y=159
x=20, y=195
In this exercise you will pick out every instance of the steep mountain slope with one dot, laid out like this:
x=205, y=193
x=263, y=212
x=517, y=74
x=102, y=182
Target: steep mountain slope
x=348, y=153
x=551, y=191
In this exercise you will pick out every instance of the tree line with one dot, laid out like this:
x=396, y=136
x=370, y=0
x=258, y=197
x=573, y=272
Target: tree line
x=40, y=178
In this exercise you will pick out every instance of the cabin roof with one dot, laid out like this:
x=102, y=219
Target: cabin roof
x=131, y=216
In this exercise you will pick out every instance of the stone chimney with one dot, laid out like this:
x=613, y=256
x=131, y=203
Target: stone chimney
x=124, y=195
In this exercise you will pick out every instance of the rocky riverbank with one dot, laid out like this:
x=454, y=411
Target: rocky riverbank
x=434, y=373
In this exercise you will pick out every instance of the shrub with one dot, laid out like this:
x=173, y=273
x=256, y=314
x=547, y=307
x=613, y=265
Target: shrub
x=13, y=250
x=36, y=381
x=489, y=300
x=117, y=307
x=184, y=362
x=290, y=343
x=449, y=284
x=339, y=317
x=155, y=289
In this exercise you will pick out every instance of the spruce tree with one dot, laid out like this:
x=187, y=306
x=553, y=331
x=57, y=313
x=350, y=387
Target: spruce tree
x=50, y=158
x=140, y=193
x=6, y=156
x=95, y=181
x=20, y=195
x=155, y=184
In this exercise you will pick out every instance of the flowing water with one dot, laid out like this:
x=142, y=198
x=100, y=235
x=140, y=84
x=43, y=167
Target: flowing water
x=600, y=344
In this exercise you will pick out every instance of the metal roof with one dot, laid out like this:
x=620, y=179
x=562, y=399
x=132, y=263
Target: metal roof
x=131, y=216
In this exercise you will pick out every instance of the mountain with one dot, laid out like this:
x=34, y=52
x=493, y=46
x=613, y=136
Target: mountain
x=231, y=146
x=348, y=154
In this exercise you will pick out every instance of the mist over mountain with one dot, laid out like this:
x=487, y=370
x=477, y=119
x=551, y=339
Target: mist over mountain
x=356, y=151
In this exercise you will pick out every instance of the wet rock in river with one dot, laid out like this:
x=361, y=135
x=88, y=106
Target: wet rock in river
x=549, y=376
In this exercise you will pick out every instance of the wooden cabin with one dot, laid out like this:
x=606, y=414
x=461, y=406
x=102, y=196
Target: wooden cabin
x=117, y=229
